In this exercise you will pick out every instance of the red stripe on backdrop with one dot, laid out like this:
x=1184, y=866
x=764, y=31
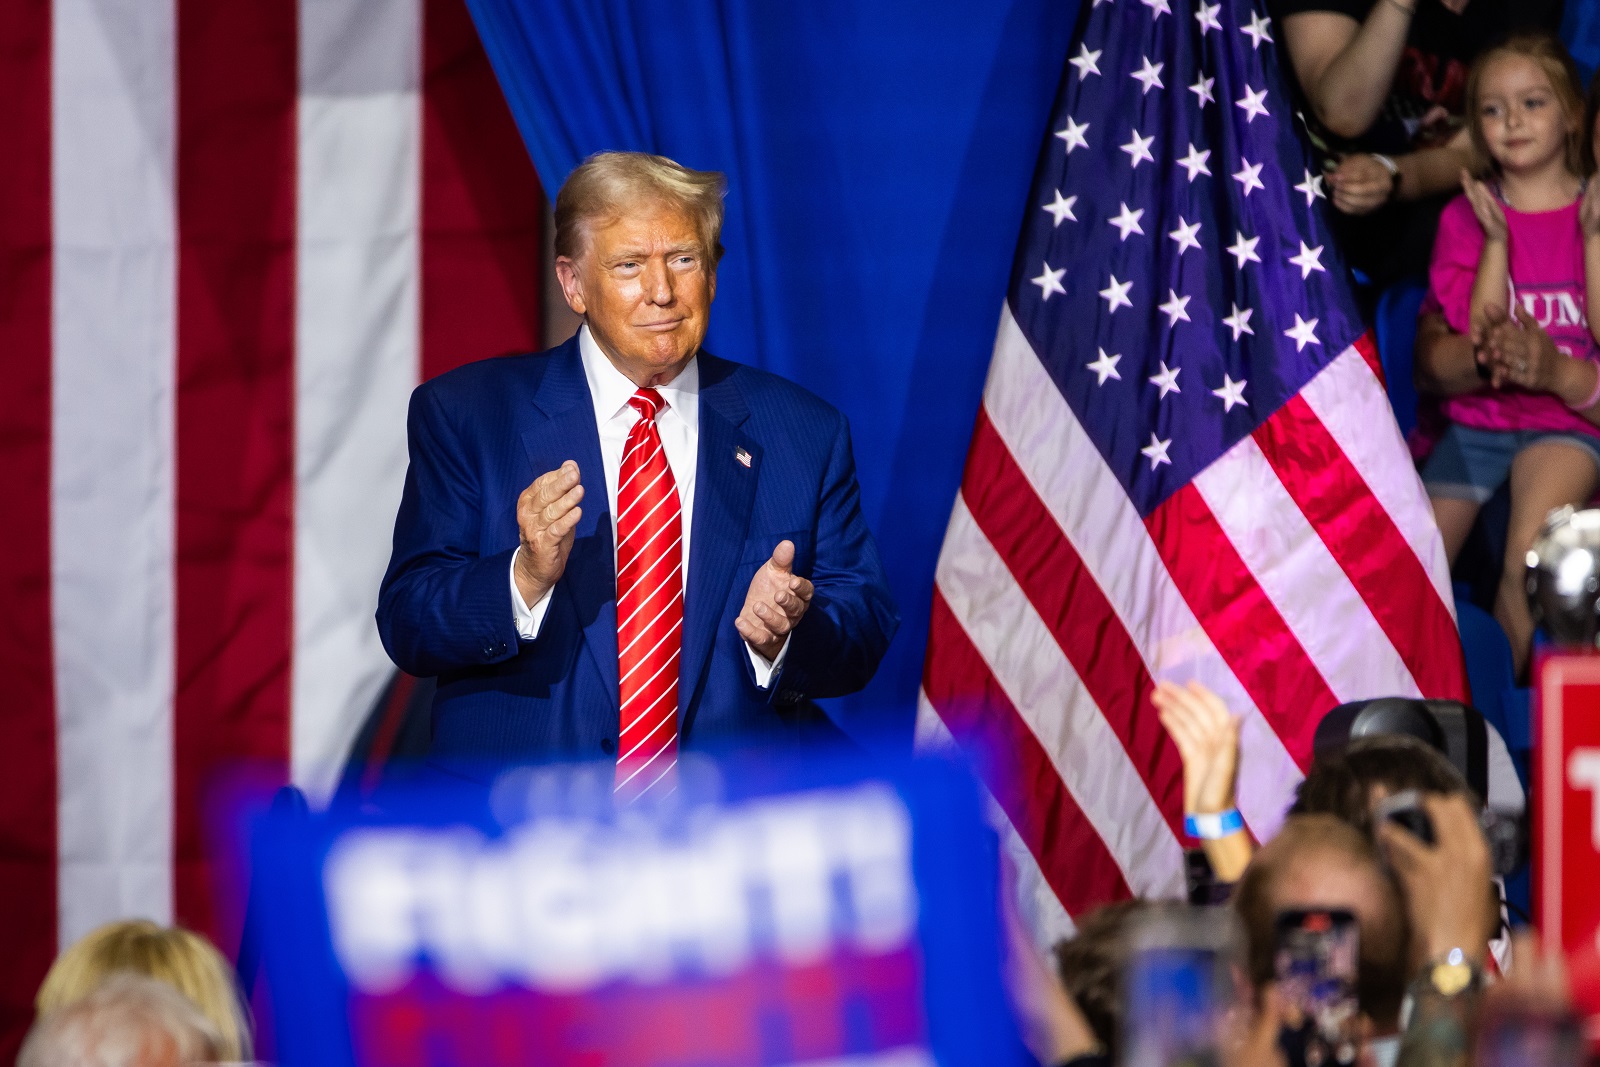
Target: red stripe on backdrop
x=1052, y=574
x=982, y=719
x=1369, y=352
x=482, y=208
x=1367, y=545
x=1241, y=622
x=237, y=87
x=27, y=760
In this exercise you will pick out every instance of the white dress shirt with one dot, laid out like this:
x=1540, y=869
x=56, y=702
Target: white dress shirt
x=679, y=426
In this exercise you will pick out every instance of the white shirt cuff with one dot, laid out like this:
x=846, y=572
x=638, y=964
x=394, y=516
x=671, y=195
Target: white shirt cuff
x=530, y=619
x=766, y=668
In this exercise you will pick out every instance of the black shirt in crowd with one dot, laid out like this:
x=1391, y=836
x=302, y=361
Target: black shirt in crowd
x=1425, y=107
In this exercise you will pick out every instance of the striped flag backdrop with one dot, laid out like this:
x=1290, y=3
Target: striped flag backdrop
x=1184, y=467
x=233, y=236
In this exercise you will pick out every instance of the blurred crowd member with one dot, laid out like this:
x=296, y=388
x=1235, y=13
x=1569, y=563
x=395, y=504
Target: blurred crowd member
x=1091, y=964
x=128, y=1020
x=180, y=958
x=1347, y=783
x=1381, y=91
x=1522, y=404
x=1317, y=861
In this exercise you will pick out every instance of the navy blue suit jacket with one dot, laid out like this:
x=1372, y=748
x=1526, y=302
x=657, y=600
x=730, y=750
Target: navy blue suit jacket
x=480, y=434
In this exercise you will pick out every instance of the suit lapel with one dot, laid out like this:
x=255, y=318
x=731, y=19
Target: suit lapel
x=724, y=493
x=563, y=429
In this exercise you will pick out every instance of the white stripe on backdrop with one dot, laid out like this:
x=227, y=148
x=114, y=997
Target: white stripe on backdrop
x=1256, y=512
x=356, y=353
x=1072, y=480
x=112, y=467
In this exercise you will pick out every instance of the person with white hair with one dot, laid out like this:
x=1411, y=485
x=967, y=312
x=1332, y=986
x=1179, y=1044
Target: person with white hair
x=129, y=1020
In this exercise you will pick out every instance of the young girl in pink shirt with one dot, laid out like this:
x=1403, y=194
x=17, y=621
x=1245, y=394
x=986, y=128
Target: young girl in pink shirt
x=1515, y=266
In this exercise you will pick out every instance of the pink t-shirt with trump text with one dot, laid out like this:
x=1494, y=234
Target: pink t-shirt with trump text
x=1547, y=287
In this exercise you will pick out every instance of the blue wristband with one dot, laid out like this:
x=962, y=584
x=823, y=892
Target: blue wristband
x=1212, y=827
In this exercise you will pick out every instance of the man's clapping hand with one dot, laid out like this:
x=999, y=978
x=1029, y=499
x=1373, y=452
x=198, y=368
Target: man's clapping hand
x=547, y=515
x=777, y=600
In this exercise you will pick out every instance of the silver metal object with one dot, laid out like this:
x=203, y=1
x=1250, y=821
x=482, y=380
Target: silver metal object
x=1563, y=577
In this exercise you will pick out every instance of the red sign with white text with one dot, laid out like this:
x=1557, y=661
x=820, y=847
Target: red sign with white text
x=1567, y=817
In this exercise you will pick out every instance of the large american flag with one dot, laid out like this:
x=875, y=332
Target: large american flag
x=1184, y=467
x=234, y=234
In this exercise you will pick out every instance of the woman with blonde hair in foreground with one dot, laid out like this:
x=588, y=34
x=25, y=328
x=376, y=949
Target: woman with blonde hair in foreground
x=180, y=958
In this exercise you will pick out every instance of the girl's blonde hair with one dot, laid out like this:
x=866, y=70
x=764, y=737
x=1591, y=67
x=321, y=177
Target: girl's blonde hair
x=1551, y=55
x=180, y=958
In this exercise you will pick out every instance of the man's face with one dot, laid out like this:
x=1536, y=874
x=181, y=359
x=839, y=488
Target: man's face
x=645, y=285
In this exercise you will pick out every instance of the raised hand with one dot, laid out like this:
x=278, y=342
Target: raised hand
x=777, y=600
x=1449, y=896
x=1490, y=214
x=547, y=516
x=1207, y=736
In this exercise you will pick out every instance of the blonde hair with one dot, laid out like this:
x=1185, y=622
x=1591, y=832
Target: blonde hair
x=608, y=183
x=177, y=957
x=127, y=1020
x=1552, y=57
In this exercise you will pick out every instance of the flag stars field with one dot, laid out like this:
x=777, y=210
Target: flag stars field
x=1195, y=163
x=1074, y=135
x=1175, y=309
x=1248, y=176
x=1166, y=380
x=1312, y=188
x=1116, y=295
x=1050, y=282
x=1127, y=221
x=1187, y=235
x=1061, y=208
x=1309, y=259
x=1239, y=321
x=1303, y=332
x=1231, y=393
x=1085, y=62
x=1257, y=30
x=1105, y=366
x=1148, y=76
x=1138, y=149
x=1243, y=249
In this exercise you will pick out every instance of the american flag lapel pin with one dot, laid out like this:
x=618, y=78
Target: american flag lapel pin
x=742, y=456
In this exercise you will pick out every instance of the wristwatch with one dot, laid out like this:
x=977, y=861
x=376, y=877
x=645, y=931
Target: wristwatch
x=1451, y=974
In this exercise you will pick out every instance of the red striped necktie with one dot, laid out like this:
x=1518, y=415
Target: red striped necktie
x=649, y=607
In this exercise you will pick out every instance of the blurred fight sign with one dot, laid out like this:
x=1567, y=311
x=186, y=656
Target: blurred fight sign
x=1567, y=814
x=760, y=916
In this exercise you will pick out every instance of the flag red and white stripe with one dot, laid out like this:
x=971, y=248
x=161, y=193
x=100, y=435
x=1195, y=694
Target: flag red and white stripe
x=233, y=237
x=1300, y=570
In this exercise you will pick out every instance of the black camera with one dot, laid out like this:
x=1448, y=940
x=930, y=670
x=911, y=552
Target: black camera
x=1505, y=831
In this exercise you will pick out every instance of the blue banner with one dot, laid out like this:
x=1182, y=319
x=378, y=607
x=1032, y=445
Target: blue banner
x=762, y=915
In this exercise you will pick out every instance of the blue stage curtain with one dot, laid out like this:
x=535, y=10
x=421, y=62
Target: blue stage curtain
x=878, y=155
x=1580, y=30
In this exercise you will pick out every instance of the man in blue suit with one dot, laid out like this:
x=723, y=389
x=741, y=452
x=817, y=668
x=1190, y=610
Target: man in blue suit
x=717, y=504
